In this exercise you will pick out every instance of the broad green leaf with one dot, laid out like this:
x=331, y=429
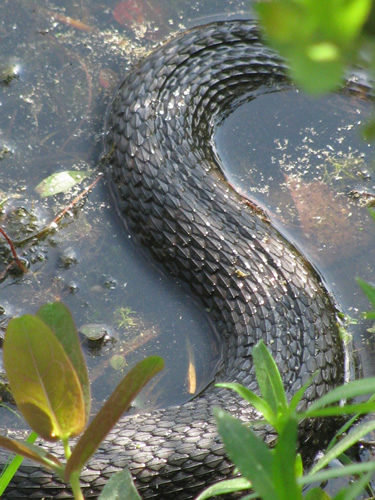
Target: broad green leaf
x=316, y=37
x=61, y=182
x=351, y=16
x=317, y=494
x=260, y=404
x=118, y=402
x=43, y=381
x=352, y=492
x=344, y=444
x=305, y=67
x=344, y=392
x=120, y=487
x=347, y=470
x=284, y=463
x=32, y=452
x=224, y=487
x=248, y=452
x=12, y=466
x=269, y=379
x=58, y=317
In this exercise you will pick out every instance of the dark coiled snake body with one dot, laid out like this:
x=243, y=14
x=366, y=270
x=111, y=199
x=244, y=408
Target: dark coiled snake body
x=169, y=189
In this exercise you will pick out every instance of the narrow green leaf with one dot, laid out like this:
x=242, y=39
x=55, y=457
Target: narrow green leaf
x=32, y=452
x=353, y=491
x=344, y=392
x=284, y=463
x=120, y=487
x=299, y=465
x=299, y=395
x=118, y=402
x=224, y=487
x=317, y=494
x=11, y=468
x=347, y=470
x=43, y=381
x=344, y=444
x=58, y=317
x=269, y=379
x=348, y=424
x=61, y=182
x=330, y=411
x=249, y=453
x=260, y=404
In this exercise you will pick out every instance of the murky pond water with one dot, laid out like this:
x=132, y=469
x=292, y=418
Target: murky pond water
x=61, y=67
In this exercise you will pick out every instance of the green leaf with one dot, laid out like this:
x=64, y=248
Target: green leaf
x=29, y=450
x=351, y=16
x=344, y=444
x=317, y=494
x=120, y=487
x=43, y=381
x=305, y=67
x=61, y=182
x=260, y=404
x=58, y=317
x=249, y=453
x=333, y=411
x=299, y=465
x=369, y=291
x=118, y=402
x=344, y=392
x=284, y=463
x=11, y=468
x=352, y=492
x=224, y=487
x=269, y=379
x=347, y=470
x=317, y=37
x=299, y=395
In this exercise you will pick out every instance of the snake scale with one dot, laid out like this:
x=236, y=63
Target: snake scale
x=169, y=189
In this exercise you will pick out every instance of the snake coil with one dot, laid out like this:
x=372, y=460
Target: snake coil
x=168, y=187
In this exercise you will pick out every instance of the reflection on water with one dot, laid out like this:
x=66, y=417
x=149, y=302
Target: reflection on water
x=304, y=161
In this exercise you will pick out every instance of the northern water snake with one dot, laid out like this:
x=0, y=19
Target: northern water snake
x=168, y=187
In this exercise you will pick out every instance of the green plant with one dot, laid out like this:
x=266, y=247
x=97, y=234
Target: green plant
x=319, y=38
x=277, y=474
x=49, y=382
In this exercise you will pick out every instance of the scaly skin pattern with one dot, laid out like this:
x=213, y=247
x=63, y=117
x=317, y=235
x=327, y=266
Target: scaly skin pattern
x=168, y=188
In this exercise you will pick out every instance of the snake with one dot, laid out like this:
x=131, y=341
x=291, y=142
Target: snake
x=169, y=190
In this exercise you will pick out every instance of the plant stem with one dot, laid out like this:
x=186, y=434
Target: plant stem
x=67, y=449
x=76, y=488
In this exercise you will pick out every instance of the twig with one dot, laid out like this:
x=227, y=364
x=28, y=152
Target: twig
x=56, y=220
x=13, y=250
x=43, y=232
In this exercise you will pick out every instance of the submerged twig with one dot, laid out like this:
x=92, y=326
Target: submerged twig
x=14, y=252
